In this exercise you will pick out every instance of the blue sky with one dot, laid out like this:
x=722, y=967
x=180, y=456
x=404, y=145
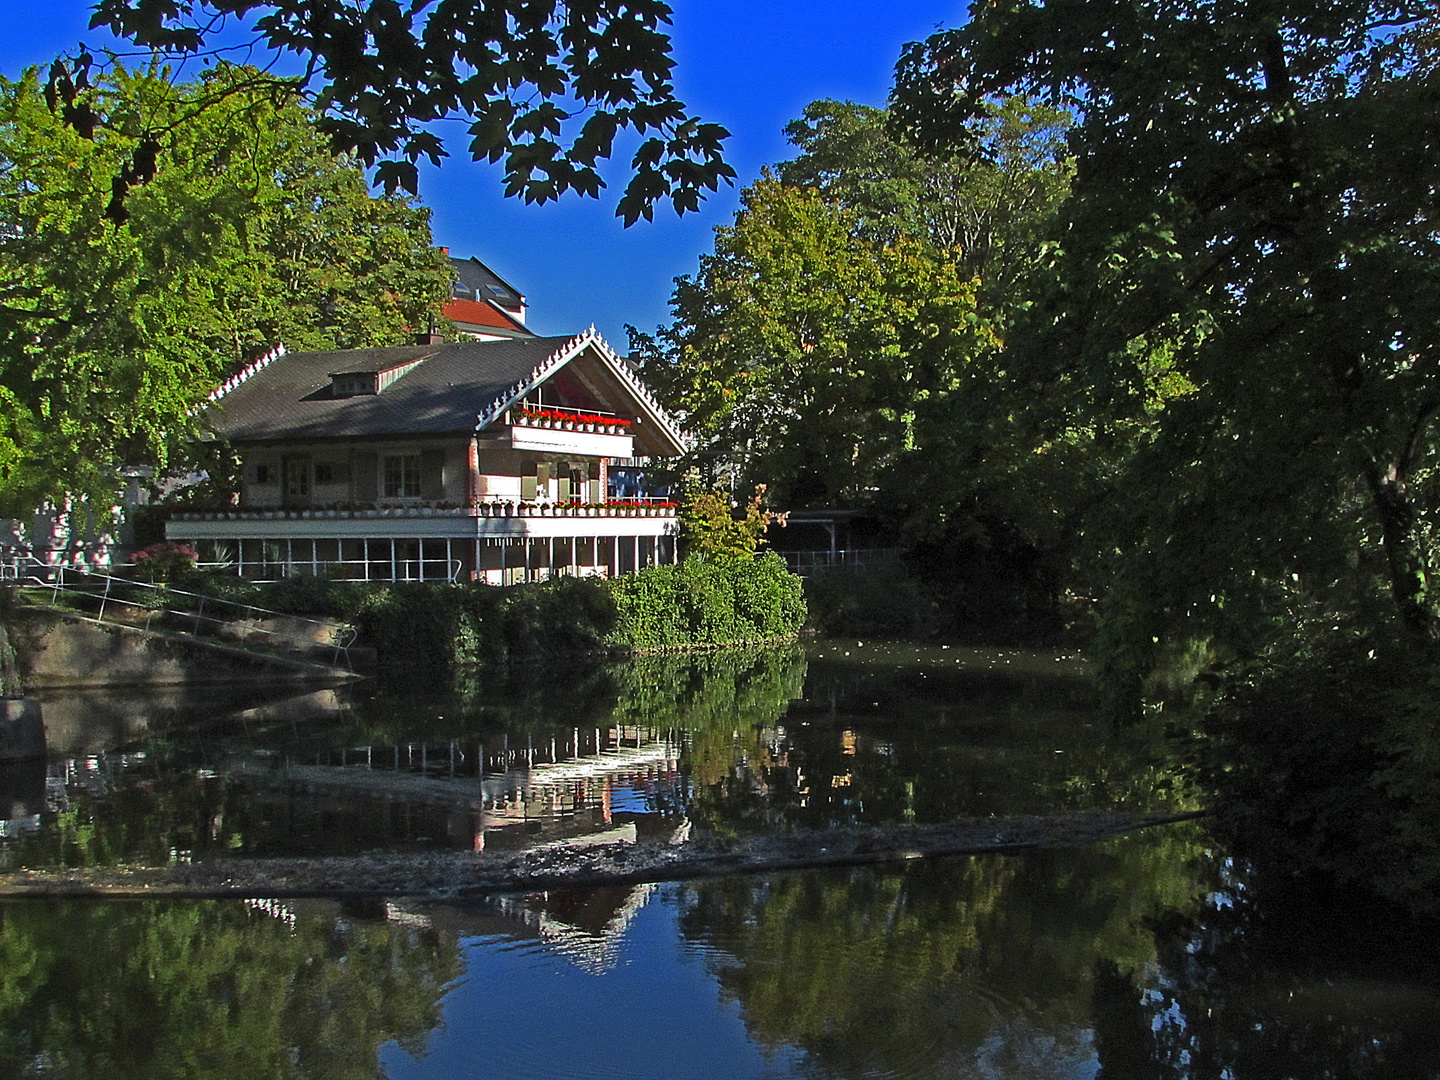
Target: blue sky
x=749, y=65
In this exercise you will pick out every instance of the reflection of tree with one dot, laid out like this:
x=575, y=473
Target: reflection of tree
x=876, y=740
x=878, y=973
x=150, y=816
x=188, y=989
x=1261, y=983
x=727, y=704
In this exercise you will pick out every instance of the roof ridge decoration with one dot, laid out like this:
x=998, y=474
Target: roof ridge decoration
x=641, y=390
x=246, y=373
x=559, y=358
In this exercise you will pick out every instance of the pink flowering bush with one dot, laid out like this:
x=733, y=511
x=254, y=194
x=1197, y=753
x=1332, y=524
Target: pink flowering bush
x=165, y=560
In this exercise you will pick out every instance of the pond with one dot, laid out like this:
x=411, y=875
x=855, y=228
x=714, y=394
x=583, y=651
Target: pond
x=1149, y=956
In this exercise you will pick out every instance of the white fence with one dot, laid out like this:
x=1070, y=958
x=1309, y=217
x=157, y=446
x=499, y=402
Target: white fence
x=806, y=563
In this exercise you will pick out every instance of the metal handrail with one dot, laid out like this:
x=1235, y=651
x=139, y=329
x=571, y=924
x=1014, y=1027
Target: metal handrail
x=52, y=578
x=452, y=569
x=805, y=563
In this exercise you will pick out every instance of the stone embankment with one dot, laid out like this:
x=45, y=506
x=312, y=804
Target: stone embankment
x=451, y=874
x=59, y=648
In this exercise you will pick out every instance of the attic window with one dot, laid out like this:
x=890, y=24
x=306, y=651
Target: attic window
x=353, y=383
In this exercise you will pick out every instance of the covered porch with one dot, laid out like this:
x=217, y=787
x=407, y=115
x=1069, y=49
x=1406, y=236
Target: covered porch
x=430, y=546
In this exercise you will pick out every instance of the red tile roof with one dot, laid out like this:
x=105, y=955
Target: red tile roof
x=479, y=313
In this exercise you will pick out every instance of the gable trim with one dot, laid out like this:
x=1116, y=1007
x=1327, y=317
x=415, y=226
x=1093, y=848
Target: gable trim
x=248, y=372
x=562, y=356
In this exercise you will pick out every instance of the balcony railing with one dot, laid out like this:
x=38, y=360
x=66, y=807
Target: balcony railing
x=639, y=507
x=597, y=423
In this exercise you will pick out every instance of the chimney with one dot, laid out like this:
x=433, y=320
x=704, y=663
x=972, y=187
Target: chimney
x=430, y=336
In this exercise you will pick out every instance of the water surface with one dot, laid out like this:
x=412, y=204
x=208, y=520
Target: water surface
x=1153, y=956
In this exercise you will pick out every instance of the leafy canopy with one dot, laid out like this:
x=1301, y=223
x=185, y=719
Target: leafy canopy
x=252, y=233
x=798, y=350
x=1256, y=186
x=546, y=86
x=990, y=206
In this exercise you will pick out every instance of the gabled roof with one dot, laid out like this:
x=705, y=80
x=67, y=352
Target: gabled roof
x=449, y=389
x=485, y=313
x=477, y=282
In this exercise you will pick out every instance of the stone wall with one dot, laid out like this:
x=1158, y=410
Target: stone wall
x=59, y=650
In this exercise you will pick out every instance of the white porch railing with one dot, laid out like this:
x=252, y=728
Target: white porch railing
x=805, y=563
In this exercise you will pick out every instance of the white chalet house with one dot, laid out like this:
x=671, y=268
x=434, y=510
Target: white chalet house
x=476, y=460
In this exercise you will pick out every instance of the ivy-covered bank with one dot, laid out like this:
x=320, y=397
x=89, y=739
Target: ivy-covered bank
x=431, y=631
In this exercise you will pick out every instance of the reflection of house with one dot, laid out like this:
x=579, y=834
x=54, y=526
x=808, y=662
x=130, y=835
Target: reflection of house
x=603, y=785
x=477, y=459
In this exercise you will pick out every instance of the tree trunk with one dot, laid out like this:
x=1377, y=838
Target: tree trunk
x=1404, y=554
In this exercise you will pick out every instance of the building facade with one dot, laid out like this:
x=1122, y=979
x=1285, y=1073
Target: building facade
x=482, y=459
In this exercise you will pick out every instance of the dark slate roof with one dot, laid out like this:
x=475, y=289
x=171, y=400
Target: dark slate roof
x=478, y=282
x=290, y=398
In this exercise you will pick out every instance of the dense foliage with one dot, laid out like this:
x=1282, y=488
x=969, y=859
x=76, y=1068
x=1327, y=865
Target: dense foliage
x=798, y=351
x=425, y=631
x=988, y=206
x=1255, y=187
x=545, y=86
x=1253, y=203
x=252, y=234
x=710, y=526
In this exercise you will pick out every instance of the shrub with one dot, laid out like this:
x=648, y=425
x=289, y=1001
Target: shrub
x=165, y=560
x=707, y=602
x=431, y=632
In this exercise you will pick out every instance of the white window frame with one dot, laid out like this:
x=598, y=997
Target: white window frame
x=407, y=478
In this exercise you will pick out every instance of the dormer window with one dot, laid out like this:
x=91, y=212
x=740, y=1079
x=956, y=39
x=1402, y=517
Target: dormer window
x=354, y=383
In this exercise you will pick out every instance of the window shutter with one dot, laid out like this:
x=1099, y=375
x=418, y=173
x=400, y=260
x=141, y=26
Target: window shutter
x=432, y=474
x=366, y=476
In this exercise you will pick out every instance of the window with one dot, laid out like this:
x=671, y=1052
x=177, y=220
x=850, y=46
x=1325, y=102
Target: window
x=402, y=476
x=351, y=384
x=296, y=471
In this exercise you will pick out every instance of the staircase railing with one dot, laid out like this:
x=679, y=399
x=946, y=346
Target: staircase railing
x=119, y=601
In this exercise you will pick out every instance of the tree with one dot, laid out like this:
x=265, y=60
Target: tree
x=1255, y=186
x=709, y=527
x=799, y=349
x=251, y=234
x=524, y=72
x=991, y=206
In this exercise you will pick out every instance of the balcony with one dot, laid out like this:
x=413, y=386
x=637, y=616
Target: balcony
x=565, y=431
